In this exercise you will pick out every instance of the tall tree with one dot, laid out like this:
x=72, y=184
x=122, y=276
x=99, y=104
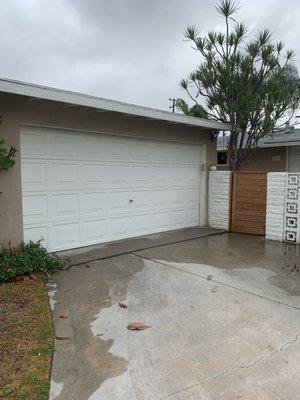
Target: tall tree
x=248, y=83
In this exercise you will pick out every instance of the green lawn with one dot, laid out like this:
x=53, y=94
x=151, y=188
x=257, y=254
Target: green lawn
x=26, y=340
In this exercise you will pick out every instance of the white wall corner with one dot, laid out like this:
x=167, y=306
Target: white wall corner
x=283, y=207
x=219, y=199
x=276, y=193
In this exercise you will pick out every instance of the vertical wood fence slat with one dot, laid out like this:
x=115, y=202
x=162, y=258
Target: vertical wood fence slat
x=248, y=202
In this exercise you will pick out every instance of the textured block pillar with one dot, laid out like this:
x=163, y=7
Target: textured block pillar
x=292, y=208
x=219, y=199
x=283, y=207
x=275, y=206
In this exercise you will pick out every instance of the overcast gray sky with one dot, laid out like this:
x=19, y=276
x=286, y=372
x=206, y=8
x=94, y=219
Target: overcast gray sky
x=128, y=50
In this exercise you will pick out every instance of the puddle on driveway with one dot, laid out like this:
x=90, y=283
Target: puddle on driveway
x=199, y=330
x=110, y=325
x=260, y=281
x=198, y=326
x=82, y=363
x=234, y=251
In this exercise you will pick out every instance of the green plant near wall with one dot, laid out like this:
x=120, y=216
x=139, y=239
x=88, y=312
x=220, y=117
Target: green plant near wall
x=6, y=156
x=26, y=259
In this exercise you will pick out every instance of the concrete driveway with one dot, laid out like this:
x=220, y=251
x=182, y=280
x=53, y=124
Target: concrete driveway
x=224, y=315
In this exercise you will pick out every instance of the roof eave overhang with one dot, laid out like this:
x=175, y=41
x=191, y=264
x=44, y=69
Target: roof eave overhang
x=292, y=142
x=78, y=99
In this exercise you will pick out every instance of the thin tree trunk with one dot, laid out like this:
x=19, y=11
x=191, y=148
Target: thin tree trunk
x=234, y=165
x=233, y=155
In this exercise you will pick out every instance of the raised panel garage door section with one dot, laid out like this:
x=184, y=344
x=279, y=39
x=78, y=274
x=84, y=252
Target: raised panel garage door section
x=81, y=189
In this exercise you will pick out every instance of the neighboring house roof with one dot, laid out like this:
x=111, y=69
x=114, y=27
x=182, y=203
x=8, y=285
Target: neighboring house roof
x=68, y=97
x=285, y=137
x=289, y=137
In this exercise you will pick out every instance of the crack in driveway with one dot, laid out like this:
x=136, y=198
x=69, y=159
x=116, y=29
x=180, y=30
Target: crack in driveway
x=222, y=338
x=232, y=369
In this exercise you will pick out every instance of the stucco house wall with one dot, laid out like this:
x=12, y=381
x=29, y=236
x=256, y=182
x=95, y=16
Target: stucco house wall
x=270, y=159
x=19, y=110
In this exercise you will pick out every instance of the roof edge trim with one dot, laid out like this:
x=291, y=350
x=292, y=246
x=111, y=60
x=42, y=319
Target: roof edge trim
x=69, y=97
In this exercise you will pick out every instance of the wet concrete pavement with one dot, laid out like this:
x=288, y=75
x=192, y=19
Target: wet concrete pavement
x=224, y=316
x=127, y=246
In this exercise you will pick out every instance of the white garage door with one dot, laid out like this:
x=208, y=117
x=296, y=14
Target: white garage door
x=295, y=159
x=81, y=189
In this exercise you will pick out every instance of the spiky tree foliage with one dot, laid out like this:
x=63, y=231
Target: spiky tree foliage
x=248, y=83
x=194, y=111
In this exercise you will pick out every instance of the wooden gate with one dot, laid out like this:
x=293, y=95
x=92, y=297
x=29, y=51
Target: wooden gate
x=248, y=202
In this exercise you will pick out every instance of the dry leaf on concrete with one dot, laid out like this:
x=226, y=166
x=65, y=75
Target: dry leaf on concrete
x=137, y=326
x=61, y=338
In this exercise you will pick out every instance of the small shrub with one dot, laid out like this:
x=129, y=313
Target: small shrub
x=26, y=259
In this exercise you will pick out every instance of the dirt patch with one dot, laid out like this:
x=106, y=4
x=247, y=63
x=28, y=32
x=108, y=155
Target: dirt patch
x=26, y=340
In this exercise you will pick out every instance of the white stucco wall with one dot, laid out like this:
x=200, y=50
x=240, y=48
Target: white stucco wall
x=219, y=199
x=275, y=205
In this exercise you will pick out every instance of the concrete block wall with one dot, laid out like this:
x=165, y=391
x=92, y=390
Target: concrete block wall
x=219, y=199
x=283, y=204
x=283, y=207
x=275, y=205
x=292, y=208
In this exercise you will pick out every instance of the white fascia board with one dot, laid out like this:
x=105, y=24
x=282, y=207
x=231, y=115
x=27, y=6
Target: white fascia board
x=280, y=143
x=67, y=97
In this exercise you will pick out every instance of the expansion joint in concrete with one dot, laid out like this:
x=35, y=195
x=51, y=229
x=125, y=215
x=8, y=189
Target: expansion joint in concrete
x=215, y=281
x=233, y=369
